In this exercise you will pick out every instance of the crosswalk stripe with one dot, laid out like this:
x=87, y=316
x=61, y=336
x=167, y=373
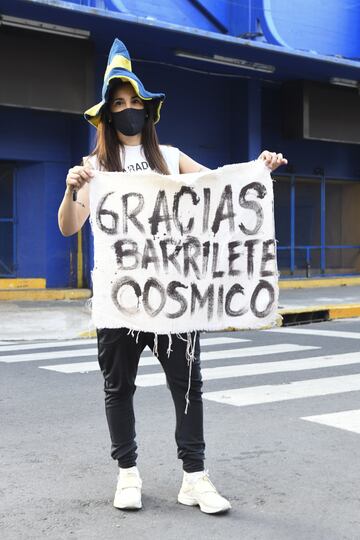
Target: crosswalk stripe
x=86, y=367
x=348, y=420
x=245, y=370
x=72, y=342
x=78, y=367
x=258, y=395
x=280, y=348
x=315, y=332
x=45, y=345
x=262, y=350
x=222, y=340
x=50, y=355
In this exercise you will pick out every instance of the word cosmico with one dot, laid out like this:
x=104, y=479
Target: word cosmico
x=181, y=237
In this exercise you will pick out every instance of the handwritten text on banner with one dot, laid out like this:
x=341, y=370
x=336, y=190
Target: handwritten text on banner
x=184, y=252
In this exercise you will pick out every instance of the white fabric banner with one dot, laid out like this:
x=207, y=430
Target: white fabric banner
x=184, y=252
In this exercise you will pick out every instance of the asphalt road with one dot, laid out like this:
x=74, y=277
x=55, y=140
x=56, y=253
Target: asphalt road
x=288, y=475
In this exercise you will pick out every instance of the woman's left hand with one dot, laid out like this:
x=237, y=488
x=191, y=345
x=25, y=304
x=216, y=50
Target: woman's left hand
x=272, y=159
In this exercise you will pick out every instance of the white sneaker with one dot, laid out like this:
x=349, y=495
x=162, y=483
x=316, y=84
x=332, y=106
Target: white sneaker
x=202, y=492
x=128, y=490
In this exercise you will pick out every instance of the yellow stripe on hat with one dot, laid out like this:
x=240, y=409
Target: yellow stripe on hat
x=94, y=109
x=158, y=112
x=119, y=61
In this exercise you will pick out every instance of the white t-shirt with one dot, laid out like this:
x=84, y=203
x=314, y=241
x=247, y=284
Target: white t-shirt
x=135, y=160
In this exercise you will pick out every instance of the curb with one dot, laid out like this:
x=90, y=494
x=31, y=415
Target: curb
x=304, y=315
x=315, y=283
x=87, y=334
x=22, y=283
x=35, y=295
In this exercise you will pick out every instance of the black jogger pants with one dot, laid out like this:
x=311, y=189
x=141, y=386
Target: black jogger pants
x=118, y=354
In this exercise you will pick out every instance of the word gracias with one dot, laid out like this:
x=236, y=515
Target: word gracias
x=160, y=214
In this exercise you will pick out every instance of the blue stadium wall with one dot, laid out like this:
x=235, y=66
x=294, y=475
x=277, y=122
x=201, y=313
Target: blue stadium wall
x=41, y=146
x=216, y=120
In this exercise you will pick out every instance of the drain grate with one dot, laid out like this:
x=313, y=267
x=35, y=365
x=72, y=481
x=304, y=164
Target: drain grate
x=306, y=317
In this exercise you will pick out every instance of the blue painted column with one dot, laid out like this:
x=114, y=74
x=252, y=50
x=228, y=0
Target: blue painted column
x=254, y=118
x=88, y=237
x=323, y=227
x=60, y=251
x=292, y=225
x=245, y=120
x=31, y=222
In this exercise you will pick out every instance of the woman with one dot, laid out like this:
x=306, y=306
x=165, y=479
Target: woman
x=127, y=141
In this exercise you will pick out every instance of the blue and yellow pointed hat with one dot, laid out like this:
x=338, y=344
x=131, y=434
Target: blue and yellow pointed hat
x=119, y=67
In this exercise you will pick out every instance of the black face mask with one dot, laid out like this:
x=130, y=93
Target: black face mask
x=129, y=121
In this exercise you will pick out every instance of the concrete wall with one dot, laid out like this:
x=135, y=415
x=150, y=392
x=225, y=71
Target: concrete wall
x=336, y=159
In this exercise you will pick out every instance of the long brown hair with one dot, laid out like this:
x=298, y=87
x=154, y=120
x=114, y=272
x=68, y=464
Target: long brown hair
x=108, y=145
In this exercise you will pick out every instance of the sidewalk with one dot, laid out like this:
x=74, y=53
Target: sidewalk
x=70, y=319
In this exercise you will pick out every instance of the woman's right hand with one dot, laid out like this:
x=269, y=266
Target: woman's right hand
x=77, y=177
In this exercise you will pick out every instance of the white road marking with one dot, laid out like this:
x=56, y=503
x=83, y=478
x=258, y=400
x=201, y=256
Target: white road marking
x=246, y=370
x=6, y=347
x=45, y=345
x=257, y=395
x=50, y=355
x=69, y=353
x=348, y=420
x=221, y=340
x=78, y=367
x=315, y=332
x=86, y=367
x=262, y=350
x=205, y=356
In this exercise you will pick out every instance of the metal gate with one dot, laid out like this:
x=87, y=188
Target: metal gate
x=317, y=225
